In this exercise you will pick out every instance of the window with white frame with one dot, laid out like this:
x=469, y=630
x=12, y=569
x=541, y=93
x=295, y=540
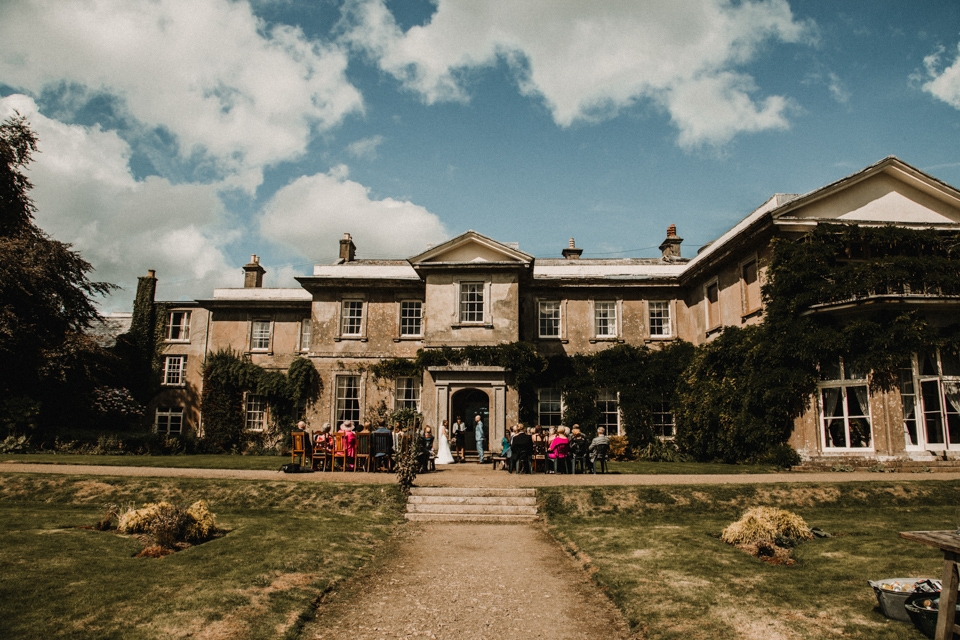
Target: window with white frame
x=549, y=319
x=168, y=420
x=348, y=399
x=351, y=318
x=255, y=412
x=411, y=318
x=662, y=420
x=930, y=393
x=750, y=282
x=174, y=370
x=550, y=407
x=306, y=331
x=712, y=296
x=659, y=318
x=178, y=326
x=260, y=335
x=844, y=408
x=408, y=393
x=471, y=302
x=605, y=318
x=609, y=409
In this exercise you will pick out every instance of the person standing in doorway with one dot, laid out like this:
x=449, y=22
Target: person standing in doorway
x=479, y=432
x=459, y=432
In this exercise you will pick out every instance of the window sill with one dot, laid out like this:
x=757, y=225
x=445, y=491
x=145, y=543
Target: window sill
x=716, y=329
x=260, y=352
x=354, y=338
x=605, y=339
x=168, y=341
x=169, y=385
x=409, y=339
x=660, y=338
x=751, y=314
x=471, y=325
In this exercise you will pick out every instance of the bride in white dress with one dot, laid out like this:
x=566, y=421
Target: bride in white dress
x=443, y=449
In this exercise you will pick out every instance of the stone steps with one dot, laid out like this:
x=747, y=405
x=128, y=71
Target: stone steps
x=463, y=504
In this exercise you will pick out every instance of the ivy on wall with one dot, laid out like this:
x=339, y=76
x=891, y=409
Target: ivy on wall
x=742, y=392
x=227, y=376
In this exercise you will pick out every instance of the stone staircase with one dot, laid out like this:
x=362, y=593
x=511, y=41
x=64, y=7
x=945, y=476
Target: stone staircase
x=451, y=504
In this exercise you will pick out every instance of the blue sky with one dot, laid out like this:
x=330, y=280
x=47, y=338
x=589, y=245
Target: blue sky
x=186, y=135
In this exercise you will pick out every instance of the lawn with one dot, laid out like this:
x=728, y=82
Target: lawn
x=696, y=468
x=287, y=543
x=199, y=461
x=656, y=552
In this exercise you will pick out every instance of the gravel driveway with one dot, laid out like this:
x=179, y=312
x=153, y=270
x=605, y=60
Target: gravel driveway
x=471, y=581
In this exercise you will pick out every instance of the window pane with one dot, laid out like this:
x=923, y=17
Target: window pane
x=471, y=302
x=256, y=413
x=410, y=317
x=352, y=320
x=408, y=394
x=662, y=420
x=609, y=413
x=659, y=318
x=549, y=319
x=550, y=408
x=605, y=316
x=169, y=420
x=713, y=306
x=306, y=330
x=178, y=325
x=173, y=370
x=260, y=336
x=751, y=287
x=348, y=398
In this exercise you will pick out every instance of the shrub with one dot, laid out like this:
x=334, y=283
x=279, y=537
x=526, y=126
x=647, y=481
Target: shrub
x=14, y=444
x=619, y=448
x=170, y=526
x=661, y=451
x=781, y=455
x=767, y=525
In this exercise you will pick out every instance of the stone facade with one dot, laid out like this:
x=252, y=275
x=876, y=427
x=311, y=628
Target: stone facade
x=474, y=290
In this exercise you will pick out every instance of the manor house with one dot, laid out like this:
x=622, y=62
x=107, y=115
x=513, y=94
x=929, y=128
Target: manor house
x=476, y=290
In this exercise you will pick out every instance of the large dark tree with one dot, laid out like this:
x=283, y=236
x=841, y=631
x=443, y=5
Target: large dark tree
x=47, y=359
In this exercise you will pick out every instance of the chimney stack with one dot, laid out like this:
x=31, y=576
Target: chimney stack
x=670, y=247
x=571, y=252
x=348, y=250
x=253, y=273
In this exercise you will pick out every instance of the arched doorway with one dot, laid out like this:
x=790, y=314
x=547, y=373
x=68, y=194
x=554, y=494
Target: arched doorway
x=469, y=403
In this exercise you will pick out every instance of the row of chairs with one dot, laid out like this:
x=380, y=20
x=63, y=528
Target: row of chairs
x=372, y=452
x=576, y=460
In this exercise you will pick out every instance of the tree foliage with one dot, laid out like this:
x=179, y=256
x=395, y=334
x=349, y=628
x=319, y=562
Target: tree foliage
x=46, y=305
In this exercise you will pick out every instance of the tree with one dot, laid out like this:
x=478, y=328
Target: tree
x=46, y=303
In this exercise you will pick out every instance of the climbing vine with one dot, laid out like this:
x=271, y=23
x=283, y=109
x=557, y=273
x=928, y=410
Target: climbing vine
x=227, y=376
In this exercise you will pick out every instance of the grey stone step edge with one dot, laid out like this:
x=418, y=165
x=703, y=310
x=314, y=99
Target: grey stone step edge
x=465, y=517
x=519, y=501
x=472, y=509
x=478, y=492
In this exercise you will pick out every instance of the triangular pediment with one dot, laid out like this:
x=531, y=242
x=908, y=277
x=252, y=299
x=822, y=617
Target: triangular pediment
x=889, y=192
x=471, y=248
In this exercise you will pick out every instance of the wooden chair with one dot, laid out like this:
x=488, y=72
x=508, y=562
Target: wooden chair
x=363, y=455
x=299, y=447
x=382, y=451
x=322, y=458
x=339, y=451
x=539, y=457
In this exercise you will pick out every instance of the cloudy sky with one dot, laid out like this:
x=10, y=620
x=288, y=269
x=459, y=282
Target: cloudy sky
x=186, y=135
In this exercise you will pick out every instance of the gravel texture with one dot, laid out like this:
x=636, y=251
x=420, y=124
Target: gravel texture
x=471, y=581
x=475, y=475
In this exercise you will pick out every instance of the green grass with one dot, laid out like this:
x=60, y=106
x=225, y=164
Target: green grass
x=207, y=461
x=287, y=543
x=656, y=552
x=676, y=468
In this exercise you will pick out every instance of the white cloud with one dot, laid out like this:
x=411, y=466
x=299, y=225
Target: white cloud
x=365, y=148
x=312, y=213
x=589, y=60
x=225, y=84
x=86, y=195
x=943, y=83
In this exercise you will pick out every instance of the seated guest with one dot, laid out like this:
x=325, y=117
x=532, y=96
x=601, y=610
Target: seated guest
x=426, y=451
x=559, y=450
x=521, y=448
x=600, y=443
x=579, y=445
x=505, y=451
x=551, y=434
x=307, y=443
x=350, y=442
x=382, y=446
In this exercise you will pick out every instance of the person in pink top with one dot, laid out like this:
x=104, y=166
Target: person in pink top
x=559, y=450
x=350, y=442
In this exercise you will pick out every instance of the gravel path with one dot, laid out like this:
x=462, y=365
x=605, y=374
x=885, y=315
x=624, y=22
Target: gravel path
x=471, y=581
x=474, y=475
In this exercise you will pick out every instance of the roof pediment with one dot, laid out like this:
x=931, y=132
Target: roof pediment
x=471, y=248
x=890, y=191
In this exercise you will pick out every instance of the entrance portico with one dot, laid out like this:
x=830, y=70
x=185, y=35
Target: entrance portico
x=462, y=388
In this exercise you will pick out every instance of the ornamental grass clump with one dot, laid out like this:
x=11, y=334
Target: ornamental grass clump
x=168, y=527
x=766, y=524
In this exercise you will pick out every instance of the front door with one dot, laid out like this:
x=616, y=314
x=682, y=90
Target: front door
x=469, y=403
